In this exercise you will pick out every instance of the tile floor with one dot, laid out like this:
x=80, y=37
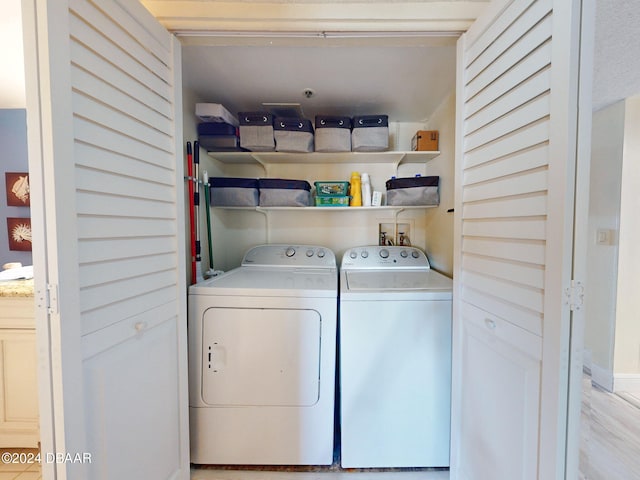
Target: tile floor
x=198, y=474
x=29, y=470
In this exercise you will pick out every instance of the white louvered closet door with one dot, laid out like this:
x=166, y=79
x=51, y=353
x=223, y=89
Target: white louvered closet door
x=516, y=160
x=105, y=152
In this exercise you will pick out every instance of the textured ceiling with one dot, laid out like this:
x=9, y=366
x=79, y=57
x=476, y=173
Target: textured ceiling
x=405, y=82
x=616, y=51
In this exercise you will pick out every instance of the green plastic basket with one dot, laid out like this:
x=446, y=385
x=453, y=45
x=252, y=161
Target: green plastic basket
x=332, y=189
x=342, y=201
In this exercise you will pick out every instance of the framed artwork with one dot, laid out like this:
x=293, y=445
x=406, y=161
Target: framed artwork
x=19, y=231
x=18, y=192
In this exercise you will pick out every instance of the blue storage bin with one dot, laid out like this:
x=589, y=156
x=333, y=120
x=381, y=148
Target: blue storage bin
x=370, y=133
x=234, y=192
x=278, y=192
x=293, y=135
x=256, y=131
x=218, y=137
x=333, y=134
x=413, y=191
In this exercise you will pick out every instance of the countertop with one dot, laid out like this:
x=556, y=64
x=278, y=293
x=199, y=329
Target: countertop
x=16, y=288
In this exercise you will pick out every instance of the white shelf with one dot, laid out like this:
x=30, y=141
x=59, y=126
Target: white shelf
x=329, y=209
x=268, y=158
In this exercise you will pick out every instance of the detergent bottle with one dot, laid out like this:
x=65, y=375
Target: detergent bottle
x=366, y=190
x=355, y=190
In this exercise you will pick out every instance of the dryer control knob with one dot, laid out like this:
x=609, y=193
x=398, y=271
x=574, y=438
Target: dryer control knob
x=310, y=253
x=384, y=253
x=321, y=253
x=404, y=254
x=364, y=254
x=415, y=254
x=290, y=252
x=353, y=254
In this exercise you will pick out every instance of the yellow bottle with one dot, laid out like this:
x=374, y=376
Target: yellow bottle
x=355, y=190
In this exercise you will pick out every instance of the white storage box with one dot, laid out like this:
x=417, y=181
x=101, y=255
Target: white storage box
x=215, y=113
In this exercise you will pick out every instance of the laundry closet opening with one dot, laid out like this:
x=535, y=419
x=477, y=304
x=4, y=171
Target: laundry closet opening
x=409, y=78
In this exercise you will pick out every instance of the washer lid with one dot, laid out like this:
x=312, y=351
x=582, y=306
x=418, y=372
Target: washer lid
x=394, y=280
x=257, y=281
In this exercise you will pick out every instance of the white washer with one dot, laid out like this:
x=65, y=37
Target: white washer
x=395, y=359
x=262, y=349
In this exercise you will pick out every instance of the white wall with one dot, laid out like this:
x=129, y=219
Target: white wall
x=12, y=94
x=612, y=303
x=439, y=222
x=627, y=337
x=604, y=208
x=13, y=158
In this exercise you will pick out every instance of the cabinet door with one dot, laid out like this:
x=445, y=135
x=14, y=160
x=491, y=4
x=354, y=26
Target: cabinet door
x=501, y=366
x=516, y=134
x=105, y=158
x=19, y=389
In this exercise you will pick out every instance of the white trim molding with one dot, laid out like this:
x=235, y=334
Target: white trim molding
x=602, y=377
x=186, y=15
x=626, y=382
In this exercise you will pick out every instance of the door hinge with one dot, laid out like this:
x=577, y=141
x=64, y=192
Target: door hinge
x=52, y=298
x=574, y=295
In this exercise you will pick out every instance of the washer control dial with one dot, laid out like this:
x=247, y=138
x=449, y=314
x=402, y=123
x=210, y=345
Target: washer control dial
x=290, y=252
x=415, y=254
x=384, y=253
x=364, y=254
x=404, y=254
x=321, y=253
x=309, y=253
x=353, y=254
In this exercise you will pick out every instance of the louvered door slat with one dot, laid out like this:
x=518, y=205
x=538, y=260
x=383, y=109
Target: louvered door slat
x=121, y=80
x=520, y=161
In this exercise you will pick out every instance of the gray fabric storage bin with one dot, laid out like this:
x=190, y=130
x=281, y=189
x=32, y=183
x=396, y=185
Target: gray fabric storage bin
x=278, y=192
x=333, y=134
x=256, y=131
x=412, y=191
x=293, y=135
x=370, y=133
x=233, y=192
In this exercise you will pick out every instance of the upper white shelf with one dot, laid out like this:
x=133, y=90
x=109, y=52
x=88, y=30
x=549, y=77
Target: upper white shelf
x=268, y=158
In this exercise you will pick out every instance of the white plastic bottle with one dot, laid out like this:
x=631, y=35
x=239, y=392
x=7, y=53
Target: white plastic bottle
x=366, y=190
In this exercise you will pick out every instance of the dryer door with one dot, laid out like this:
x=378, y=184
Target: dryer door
x=261, y=357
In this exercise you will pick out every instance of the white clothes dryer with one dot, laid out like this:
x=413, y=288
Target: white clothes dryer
x=262, y=350
x=395, y=359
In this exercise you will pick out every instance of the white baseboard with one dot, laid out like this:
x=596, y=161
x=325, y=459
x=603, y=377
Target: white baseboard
x=602, y=377
x=587, y=361
x=626, y=382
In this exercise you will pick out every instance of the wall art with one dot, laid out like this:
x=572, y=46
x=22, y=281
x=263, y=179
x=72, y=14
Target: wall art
x=19, y=231
x=18, y=191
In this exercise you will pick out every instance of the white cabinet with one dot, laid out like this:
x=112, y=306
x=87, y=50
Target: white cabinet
x=18, y=374
x=134, y=435
x=500, y=389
